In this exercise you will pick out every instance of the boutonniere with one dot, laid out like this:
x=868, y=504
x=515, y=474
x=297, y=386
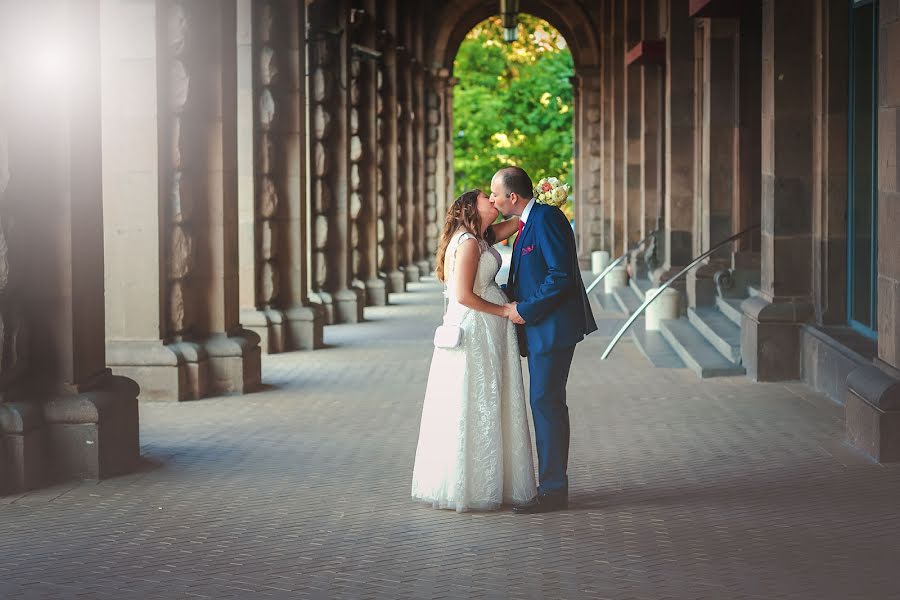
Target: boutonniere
x=527, y=249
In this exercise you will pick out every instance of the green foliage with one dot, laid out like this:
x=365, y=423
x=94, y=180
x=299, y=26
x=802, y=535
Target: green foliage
x=513, y=104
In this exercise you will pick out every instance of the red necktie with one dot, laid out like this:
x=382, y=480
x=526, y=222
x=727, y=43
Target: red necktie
x=518, y=237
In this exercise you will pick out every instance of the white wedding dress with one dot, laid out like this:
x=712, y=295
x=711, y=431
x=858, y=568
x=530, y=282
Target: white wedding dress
x=474, y=450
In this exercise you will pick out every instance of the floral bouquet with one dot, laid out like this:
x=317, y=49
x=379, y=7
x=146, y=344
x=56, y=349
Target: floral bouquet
x=552, y=191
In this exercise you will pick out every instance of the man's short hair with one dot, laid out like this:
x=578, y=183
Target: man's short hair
x=516, y=180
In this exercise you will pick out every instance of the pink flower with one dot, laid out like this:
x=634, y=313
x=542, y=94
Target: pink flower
x=546, y=187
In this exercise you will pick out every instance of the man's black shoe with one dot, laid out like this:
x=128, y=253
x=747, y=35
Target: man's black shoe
x=543, y=503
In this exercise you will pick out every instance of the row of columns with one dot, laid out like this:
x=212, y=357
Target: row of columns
x=212, y=180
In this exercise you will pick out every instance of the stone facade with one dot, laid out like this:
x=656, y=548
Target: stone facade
x=279, y=165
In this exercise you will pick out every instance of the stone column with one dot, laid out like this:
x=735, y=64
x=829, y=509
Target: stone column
x=406, y=189
x=609, y=126
x=234, y=354
x=271, y=195
x=679, y=139
x=63, y=414
x=717, y=134
x=435, y=166
x=420, y=199
x=388, y=180
x=589, y=173
x=451, y=134
x=150, y=194
x=330, y=158
x=619, y=155
x=651, y=135
x=746, y=212
x=770, y=335
x=364, y=197
x=631, y=132
x=873, y=402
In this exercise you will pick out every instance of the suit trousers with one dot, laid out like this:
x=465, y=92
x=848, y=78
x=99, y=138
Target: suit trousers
x=548, y=374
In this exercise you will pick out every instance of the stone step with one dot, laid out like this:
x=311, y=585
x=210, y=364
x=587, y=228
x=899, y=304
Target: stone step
x=731, y=308
x=753, y=291
x=627, y=299
x=698, y=354
x=640, y=287
x=654, y=347
x=719, y=330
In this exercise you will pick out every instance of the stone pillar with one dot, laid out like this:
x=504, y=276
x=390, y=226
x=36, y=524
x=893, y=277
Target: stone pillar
x=271, y=180
x=420, y=198
x=718, y=171
x=451, y=134
x=651, y=132
x=330, y=157
x=210, y=139
x=388, y=181
x=63, y=415
x=619, y=243
x=679, y=139
x=435, y=165
x=609, y=170
x=747, y=210
x=873, y=401
x=633, y=221
x=770, y=335
x=406, y=189
x=589, y=162
x=365, y=192
x=150, y=195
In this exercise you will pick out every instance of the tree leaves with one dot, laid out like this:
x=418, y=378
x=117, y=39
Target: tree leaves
x=513, y=104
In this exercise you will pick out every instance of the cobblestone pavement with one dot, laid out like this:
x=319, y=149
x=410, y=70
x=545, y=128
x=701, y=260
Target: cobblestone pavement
x=717, y=489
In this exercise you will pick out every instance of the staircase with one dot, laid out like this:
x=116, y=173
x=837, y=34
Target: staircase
x=707, y=340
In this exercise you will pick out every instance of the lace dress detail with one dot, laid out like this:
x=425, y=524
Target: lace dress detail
x=474, y=449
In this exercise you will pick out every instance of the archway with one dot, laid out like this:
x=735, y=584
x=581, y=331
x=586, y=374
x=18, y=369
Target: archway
x=580, y=29
x=513, y=104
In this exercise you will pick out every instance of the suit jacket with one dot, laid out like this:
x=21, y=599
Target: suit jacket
x=545, y=279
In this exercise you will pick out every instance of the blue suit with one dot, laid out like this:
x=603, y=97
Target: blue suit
x=545, y=280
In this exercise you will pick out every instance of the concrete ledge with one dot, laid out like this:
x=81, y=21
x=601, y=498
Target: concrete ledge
x=165, y=372
x=234, y=363
x=22, y=452
x=93, y=434
x=826, y=362
x=270, y=325
x=873, y=413
x=305, y=327
x=770, y=338
x=376, y=292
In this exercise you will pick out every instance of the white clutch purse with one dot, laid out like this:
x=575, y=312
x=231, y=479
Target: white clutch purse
x=448, y=336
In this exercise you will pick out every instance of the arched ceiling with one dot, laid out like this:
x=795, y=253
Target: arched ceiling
x=455, y=19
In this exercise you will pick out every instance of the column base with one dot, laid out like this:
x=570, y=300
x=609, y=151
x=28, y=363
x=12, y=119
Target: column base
x=347, y=306
x=770, y=338
x=305, y=327
x=94, y=434
x=22, y=452
x=270, y=325
x=325, y=304
x=424, y=268
x=872, y=413
x=411, y=273
x=395, y=282
x=234, y=363
x=376, y=292
x=700, y=285
x=165, y=372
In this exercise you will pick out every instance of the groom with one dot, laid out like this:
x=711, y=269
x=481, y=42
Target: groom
x=553, y=313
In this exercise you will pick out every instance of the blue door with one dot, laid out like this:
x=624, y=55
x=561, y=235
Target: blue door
x=862, y=270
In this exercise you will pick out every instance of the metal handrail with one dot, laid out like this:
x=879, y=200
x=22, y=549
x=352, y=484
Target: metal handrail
x=655, y=295
x=615, y=263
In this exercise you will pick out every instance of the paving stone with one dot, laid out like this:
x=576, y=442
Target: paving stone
x=679, y=489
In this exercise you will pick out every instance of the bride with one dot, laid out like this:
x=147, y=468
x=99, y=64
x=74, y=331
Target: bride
x=474, y=450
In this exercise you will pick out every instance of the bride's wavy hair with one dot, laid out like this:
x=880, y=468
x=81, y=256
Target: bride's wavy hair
x=462, y=215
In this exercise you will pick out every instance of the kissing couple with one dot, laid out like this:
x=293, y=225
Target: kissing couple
x=474, y=450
